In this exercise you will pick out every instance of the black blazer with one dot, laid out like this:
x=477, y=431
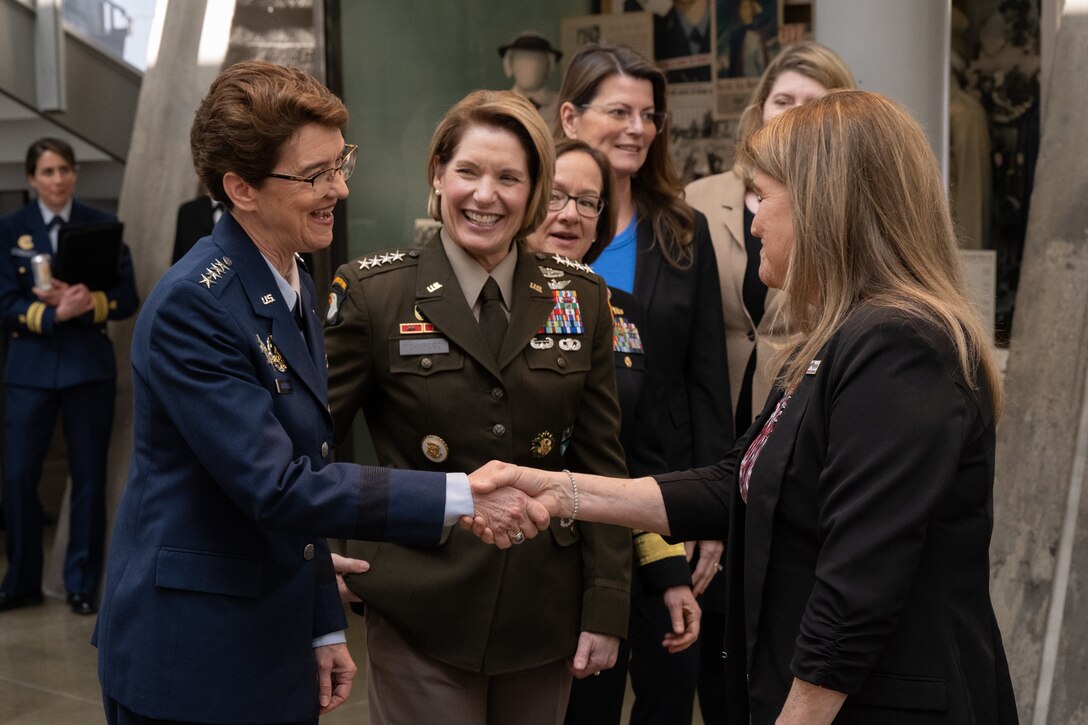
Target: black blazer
x=685, y=329
x=861, y=561
x=195, y=221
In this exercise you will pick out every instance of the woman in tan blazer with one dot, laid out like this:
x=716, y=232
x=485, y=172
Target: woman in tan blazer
x=753, y=325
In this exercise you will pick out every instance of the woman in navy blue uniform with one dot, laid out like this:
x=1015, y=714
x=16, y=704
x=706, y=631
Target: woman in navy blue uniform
x=59, y=362
x=581, y=222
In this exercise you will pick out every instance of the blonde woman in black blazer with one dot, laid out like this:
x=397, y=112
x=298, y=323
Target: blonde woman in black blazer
x=859, y=505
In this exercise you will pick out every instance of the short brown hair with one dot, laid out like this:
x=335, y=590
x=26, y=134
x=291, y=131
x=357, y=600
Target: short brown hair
x=504, y=110
x=58, y=146
x=252, y=109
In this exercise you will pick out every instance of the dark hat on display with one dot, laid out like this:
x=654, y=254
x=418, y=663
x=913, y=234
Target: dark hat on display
x=530, y=41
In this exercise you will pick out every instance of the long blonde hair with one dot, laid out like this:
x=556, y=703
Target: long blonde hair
x=808, y=58
x=871, y=225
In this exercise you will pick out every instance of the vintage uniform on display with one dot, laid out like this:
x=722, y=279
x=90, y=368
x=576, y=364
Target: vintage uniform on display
x=56, y=367
x=219, y=576
x=405, y=348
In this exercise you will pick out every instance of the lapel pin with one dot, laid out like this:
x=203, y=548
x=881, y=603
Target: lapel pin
x=434, y=286
x=535, y=287
x=26, y=242
x=813, y=367
x=268, y=299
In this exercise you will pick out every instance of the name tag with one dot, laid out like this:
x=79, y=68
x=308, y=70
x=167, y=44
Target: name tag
x=430, y=346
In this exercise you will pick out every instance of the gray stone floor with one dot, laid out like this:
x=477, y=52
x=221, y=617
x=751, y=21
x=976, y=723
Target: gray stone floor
x=48, y=672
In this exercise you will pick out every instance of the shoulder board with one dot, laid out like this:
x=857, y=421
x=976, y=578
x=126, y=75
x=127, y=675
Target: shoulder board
x=215, y=272
x=384, y=261
x=552, y=263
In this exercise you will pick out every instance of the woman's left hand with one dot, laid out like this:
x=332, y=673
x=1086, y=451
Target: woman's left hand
x=596, y=652
x=710, y=556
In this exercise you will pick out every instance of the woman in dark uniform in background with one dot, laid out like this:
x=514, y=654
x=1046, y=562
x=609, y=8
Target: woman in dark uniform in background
x=468, y=349
x=615, y=100
x=581, y=222
x=59, y=362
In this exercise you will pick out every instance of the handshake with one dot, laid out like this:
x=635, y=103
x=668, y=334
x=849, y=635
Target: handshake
x=512, y=503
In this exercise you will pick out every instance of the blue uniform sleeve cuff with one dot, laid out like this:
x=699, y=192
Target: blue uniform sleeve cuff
x=338, y=637
x=458, y=498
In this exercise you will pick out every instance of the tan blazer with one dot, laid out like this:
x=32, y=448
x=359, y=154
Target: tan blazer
x=721, y=199
x=406, y=349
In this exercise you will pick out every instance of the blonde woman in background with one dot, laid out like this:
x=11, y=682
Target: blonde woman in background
x=800, y=73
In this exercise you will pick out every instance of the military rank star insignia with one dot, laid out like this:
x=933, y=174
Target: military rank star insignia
x=215, y=271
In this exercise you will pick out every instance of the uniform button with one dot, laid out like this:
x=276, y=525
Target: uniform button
x=498, y=393
x=498, y=430
x=308, y=552
x=426, y=363
x=324, y=449
x=561, y=361
x=22, y=270
x=751, y=336
x=414, y=253
x=725, y=655
x=627, y=360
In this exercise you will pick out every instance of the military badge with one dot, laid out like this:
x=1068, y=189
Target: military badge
x=272, y=355
x=535, y=287
x=434, y=286
x=570, y=344
x=267, y=300
x=566, y=316
x=416, y=328
x=542, y=445
x=337, y=290
x=625, y=337
x=542, y=343
x=26, y=242
x=435, y=449
x=558, y=283
x=215, y=271
x=550, y=273
x=417, y=314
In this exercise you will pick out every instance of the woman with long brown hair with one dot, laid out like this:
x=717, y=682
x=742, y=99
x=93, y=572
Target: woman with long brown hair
x=615, y=100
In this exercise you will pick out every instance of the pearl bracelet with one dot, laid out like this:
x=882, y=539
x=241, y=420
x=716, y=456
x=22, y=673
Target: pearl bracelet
x=567, y=523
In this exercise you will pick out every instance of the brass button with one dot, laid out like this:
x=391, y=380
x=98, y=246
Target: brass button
x=498, y=430
x=22, y=270
x=324, y=449
x=498, y=393
x=426, y=363
x=308, y=552
x=627, y=360
x=561, y=361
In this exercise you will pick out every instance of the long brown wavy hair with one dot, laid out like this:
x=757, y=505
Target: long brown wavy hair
x=656, y=188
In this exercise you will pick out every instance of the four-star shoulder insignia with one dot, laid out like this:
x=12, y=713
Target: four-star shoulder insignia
x=215, y=271
x=375, y=261
x=571, y=263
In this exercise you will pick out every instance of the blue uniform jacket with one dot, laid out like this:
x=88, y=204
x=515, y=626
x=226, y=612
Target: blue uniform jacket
x=219, y=577
x=43, y=353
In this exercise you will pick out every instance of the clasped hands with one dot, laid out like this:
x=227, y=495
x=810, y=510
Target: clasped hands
x=511, y=504
x=70, y=300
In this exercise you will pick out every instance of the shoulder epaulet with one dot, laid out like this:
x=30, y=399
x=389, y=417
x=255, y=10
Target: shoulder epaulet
x=556, y=265
x=384, y=261
x=217, y=270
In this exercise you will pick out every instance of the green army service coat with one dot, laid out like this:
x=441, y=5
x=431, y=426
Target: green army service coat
x=405, y=348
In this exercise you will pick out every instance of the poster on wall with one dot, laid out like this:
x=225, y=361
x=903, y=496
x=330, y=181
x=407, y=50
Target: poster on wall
x=635, y=30
x=746, y=40
x=699, y=143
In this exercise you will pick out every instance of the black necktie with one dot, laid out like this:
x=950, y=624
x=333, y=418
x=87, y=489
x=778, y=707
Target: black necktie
x=297, y=310
x=56, y=222
x=493, y=322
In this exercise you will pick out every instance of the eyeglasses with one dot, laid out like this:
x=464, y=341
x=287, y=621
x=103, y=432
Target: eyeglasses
x=626, y=116
x=323, y=180
x=587, y=206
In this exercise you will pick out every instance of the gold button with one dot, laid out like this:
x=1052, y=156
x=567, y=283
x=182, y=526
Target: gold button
x=22, y=270
x=308, y=552
x=627, y=360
